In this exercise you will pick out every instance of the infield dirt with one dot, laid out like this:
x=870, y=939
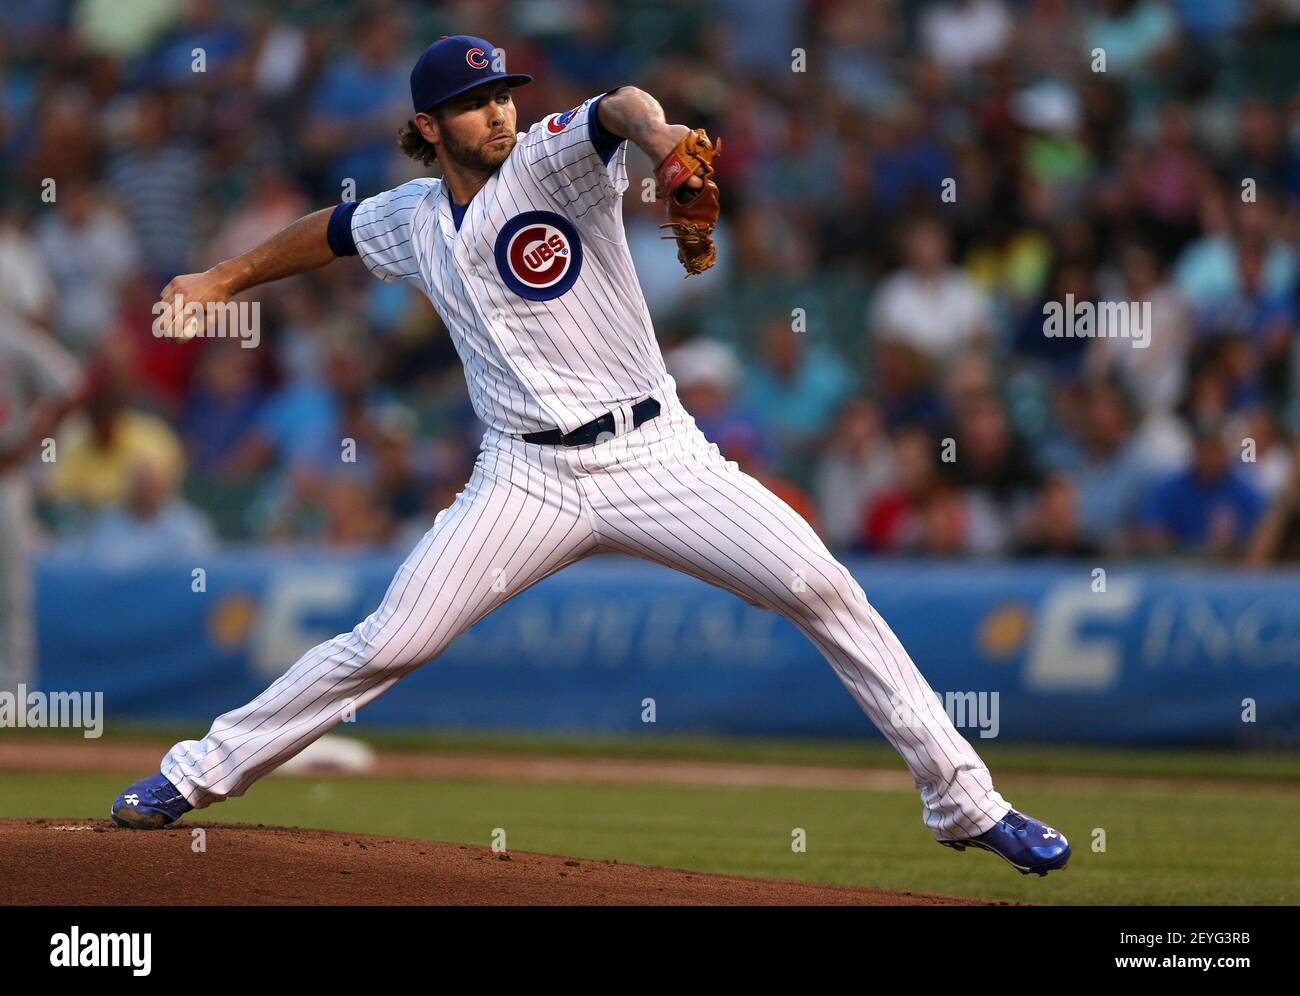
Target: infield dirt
x=94, y=862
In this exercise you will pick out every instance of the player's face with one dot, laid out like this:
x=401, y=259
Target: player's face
x=477, y=129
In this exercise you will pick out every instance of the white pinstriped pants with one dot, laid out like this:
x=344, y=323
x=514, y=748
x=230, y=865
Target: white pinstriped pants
x=661, y=492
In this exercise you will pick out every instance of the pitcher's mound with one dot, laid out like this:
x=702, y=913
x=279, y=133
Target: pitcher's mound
x=94, y=862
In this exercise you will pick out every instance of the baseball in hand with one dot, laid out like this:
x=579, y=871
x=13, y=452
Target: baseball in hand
x=179, y=313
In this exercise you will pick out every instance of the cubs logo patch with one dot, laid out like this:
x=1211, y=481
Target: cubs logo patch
x=476, y=58
x=556, y=123
x=539, y=255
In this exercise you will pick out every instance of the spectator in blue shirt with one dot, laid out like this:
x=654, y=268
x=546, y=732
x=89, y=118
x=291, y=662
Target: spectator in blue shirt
x=355, y=107
x=222, y=409
x=1206, y=509
x=152, y=524
x=796, y=385
x=1106, y=465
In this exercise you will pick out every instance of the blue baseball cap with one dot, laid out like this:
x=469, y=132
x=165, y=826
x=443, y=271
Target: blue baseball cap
x=452, y=65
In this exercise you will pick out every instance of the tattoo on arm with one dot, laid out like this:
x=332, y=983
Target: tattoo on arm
x=631, y=113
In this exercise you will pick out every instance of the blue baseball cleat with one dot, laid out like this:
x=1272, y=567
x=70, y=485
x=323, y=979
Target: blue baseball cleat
x=1026, y=844
x=149, y=804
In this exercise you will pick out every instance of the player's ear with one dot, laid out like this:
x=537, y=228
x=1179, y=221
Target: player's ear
x=428, y=127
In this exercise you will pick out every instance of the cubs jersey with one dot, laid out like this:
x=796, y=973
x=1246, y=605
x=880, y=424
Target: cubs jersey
x=533, y=278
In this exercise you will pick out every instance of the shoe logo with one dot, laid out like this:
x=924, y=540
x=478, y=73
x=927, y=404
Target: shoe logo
x=132, y=800
x=1050, y=834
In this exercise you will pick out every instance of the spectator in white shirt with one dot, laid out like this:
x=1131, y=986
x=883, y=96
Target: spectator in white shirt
x=961, y=34
x=91, y=254
x=930, y=305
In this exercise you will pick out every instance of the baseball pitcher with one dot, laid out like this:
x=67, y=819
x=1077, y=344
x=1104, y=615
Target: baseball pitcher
x=520, y=247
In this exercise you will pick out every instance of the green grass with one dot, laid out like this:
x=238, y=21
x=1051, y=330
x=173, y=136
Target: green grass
x=1137, y=762
x=1189, y=848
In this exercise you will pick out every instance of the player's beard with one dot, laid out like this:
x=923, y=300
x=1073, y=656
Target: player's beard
x=485, y=158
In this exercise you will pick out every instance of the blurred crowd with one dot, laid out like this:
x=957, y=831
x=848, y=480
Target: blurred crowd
x=906, y=186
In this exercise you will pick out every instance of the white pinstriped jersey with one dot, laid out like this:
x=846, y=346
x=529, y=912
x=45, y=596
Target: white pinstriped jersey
x=537, y=287
x=538, y=290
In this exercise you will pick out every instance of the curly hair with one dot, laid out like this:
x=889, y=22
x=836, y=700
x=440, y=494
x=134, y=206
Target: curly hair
x=416, y=146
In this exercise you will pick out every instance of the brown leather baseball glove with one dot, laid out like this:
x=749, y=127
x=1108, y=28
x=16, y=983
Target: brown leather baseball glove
x=692, y=214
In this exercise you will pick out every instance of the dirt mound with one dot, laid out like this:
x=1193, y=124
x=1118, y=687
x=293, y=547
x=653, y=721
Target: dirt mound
x=94, y=862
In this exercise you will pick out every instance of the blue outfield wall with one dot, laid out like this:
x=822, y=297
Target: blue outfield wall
x=1161, y=656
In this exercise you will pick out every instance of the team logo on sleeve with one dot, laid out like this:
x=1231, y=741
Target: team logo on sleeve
x=556, y=123
x=539, y=255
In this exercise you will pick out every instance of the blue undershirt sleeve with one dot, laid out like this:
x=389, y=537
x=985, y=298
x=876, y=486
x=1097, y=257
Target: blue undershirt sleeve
x=605, y=141
x=339, y=233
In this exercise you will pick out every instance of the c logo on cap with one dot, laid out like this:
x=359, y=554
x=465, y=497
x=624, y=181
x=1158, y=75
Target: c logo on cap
x=476, y=58
x=539, y=255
